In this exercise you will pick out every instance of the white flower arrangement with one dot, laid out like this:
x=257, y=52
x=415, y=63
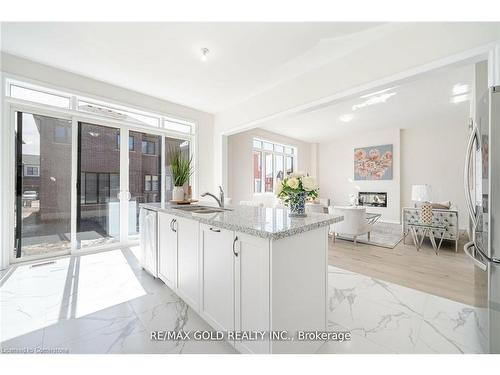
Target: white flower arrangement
x=296, y=185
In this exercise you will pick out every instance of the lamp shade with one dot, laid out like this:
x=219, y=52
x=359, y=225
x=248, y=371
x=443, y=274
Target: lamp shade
x=420, y=193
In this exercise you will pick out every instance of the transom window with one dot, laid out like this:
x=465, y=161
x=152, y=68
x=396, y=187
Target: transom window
x=271, y=162
x=43, y=95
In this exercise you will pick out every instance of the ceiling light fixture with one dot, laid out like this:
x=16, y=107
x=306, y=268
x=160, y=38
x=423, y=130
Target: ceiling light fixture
x=346, y=118
x=374, y=100
x=204, y=54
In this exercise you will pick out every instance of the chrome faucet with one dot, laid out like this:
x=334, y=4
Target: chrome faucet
x=220, y=200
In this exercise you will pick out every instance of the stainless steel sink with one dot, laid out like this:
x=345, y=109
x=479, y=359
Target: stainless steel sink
x=201, y=209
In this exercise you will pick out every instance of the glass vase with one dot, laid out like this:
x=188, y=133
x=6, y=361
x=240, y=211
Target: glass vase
x=297, y=204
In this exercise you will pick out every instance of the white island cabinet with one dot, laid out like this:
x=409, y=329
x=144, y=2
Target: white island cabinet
x=167, y=249
x=249, y=270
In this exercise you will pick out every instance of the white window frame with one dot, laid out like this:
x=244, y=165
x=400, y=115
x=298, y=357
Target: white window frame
x=274, y=154
x=13, y=105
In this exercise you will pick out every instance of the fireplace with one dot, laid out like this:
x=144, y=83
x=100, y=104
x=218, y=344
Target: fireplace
x=366, y=198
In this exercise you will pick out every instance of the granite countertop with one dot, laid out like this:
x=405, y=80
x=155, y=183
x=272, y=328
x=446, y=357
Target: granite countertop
x=271, y=223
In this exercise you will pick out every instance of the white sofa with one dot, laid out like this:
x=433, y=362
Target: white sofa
x=354, y=223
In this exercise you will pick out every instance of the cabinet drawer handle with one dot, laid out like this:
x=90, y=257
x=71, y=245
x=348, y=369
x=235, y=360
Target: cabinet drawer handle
x=172, y=225
x=215, y=230
x=234, y=243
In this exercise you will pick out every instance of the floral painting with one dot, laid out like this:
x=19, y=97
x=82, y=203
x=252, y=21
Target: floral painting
x=373, y=163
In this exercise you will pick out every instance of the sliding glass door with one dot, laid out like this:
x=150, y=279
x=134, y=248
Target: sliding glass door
x=98, y=185
x=43, y=179
x=58, y=209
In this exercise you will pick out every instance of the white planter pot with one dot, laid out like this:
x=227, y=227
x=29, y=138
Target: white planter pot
x=178, y=193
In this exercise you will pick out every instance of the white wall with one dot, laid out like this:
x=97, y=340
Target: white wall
x=336, y=171
x=434, y=154
x=240, y=168
x=66, y=80
x=424, y=153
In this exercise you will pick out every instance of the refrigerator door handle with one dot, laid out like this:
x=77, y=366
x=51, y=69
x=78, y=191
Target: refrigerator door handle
x=468, y=155
x=472, y=254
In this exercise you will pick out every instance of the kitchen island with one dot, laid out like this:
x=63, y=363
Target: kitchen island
x=247, y=270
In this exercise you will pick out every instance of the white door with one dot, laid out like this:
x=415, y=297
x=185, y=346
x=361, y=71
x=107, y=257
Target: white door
x=188, y=261
x=217, y=301
x=167, y=248
x=252, y=310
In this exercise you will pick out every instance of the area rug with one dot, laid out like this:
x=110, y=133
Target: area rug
x=383, y=234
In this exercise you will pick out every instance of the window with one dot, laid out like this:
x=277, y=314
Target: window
x=268, y=173
x=117, y=113
x=289, y=164
x=38, y=96
x=56, y=98
x=31, y=171
x=151, y=183
x=130, y=142
x=62, y=134
x=154, y=183
x=177, y=126
x=99, y=187
x=257, y=172
x=148, y=147
x=271, y=162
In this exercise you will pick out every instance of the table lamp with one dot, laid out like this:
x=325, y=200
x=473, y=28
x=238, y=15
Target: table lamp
x=420, y=193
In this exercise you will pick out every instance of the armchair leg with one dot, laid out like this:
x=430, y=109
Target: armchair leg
x=369, y=235
x=355, y=238
x=456, y=245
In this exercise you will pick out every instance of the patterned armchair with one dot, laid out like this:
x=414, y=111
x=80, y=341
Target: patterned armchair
x=448, y=218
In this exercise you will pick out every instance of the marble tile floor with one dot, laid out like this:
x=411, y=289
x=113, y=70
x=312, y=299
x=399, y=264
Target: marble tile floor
x=105, y=303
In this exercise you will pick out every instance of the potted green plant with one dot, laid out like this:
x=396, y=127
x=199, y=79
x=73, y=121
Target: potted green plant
x=181, y=169
x=294, y=190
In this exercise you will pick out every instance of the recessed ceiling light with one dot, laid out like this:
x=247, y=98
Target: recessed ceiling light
x=346, y=118
x=204, y=54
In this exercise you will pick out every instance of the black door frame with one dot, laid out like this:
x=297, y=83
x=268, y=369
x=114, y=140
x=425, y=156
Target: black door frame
x=19, y=183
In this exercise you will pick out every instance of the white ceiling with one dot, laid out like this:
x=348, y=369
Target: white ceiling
x=426, y=99
x=164, y=59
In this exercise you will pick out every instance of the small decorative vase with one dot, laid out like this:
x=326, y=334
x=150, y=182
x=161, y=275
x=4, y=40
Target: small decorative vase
x=298, y=205
x=178, y=193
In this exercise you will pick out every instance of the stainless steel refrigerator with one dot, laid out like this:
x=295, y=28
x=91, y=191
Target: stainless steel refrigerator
x=482, y=190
